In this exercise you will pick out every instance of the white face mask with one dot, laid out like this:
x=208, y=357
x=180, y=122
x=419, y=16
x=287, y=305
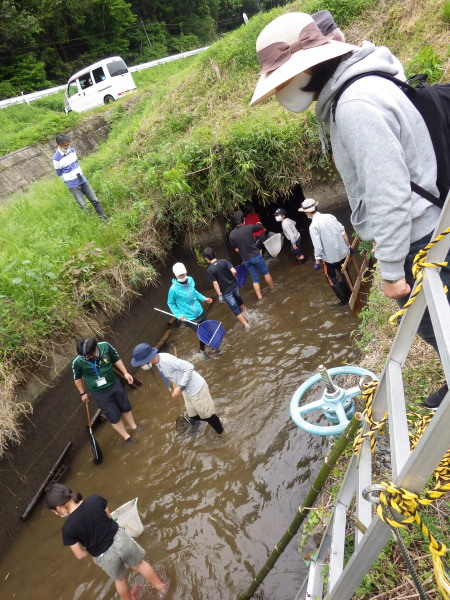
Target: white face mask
x=278, y=218
x=182, y=279
x=292, y=97
x=146, y=367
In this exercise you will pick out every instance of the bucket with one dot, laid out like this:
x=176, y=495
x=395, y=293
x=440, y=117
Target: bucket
x=128, y=517
x=274, y=243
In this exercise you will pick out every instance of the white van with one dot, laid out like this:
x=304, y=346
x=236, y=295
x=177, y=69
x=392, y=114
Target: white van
x=103, y=82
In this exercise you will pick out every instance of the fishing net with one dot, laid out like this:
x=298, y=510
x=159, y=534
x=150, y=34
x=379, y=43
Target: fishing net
x=211, y=333
x=184, y=424
x=274, y=243
x=241, y=274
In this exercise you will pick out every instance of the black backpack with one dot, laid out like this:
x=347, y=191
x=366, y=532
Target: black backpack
x=433, y=103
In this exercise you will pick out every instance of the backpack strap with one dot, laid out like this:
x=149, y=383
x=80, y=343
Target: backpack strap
x=409, y=90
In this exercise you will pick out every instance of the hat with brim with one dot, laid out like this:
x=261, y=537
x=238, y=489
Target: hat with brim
x=143, y=354
x=308, y=205
x=289, y=45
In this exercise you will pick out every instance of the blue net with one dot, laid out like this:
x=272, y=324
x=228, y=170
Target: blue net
x=211, y=333
x=241, y=274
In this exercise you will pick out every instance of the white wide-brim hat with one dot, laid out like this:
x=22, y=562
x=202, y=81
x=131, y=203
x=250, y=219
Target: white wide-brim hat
x=289, y=45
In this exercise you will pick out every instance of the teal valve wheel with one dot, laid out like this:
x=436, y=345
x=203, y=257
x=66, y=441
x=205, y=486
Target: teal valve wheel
x=336, y=403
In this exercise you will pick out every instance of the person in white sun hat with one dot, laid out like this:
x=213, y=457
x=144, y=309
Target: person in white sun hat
x=379, y=140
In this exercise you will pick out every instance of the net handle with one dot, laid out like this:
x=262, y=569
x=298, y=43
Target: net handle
x=172, y=315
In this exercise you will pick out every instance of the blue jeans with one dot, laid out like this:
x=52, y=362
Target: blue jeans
x=234, y=301
x=425, y=329
x=82, y=190
x=297, y=252
x=255, y=264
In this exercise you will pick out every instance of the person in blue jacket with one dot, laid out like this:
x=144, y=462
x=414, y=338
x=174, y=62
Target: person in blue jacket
x=183, y=301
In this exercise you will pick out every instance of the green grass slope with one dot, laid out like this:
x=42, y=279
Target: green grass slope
x=186, y=148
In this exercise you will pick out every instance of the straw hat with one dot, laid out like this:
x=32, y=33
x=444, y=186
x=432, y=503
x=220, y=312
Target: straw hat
x=289, y=45
x=308, y=205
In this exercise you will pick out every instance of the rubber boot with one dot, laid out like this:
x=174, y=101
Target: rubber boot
x=341, y=292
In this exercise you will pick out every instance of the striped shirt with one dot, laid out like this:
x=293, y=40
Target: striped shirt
x=327, y=238
x=67, y=168
x=181, y=373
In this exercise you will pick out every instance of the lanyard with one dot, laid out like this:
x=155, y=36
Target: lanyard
x=94, y=366
x=164, y=378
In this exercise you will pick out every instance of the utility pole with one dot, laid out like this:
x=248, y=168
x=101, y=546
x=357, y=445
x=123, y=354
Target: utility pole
x=145, y=31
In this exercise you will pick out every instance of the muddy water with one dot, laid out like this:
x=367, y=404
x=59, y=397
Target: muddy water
x=213, y=507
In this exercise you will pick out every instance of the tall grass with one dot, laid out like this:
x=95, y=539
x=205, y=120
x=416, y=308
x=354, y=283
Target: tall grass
x=184, y=149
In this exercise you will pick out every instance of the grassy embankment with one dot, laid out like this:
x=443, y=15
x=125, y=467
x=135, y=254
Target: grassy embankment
x=182, y=151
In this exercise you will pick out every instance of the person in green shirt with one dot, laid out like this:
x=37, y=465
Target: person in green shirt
x=94, y=374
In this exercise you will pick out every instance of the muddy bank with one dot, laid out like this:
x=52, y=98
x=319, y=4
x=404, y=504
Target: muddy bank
x=22, y=167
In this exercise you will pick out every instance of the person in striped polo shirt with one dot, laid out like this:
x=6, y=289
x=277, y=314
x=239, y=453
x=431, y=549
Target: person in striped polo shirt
x=66, y=165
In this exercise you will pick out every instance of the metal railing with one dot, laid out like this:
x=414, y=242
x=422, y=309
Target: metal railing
x=27, y=98
x=410, y=469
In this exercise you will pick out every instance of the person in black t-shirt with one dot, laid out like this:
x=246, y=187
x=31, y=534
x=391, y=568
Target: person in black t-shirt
x=89, y=530
x=223, y=277
x=242, y=240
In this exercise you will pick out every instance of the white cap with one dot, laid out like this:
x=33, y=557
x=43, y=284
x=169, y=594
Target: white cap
x=179, y=269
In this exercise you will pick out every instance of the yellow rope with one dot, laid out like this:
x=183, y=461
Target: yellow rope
x=419, y=264
x=402, y=500
x=406, y=504
x=367, y=394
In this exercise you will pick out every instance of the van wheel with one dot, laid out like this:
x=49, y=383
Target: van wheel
x=108, y=99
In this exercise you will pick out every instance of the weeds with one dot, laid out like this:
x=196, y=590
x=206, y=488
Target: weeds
x=183, y=150
x=425, y=61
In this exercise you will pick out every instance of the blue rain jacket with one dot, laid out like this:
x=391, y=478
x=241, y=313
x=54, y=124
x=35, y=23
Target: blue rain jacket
x=183, y=299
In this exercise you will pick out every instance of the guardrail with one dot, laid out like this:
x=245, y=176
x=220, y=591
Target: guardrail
x=27, y=98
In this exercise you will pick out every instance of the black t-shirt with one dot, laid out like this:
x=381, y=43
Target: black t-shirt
x=90, y=526
x=220, y=271
x=241, y=238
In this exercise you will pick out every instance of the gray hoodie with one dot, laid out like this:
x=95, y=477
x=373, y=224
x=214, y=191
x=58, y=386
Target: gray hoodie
x=381, y=143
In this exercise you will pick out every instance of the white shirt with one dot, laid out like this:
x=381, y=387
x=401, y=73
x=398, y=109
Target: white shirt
x=290, y=230
x=326, y=235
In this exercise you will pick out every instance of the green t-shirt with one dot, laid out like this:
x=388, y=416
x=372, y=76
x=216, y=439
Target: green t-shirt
x=98, y=369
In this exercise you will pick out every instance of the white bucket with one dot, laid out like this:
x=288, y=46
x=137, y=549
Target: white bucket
x=274, y=243
x=128, y=517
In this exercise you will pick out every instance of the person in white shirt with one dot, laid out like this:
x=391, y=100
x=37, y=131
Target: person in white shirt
x=289, y=227
x=187, y=383
x=331, y=247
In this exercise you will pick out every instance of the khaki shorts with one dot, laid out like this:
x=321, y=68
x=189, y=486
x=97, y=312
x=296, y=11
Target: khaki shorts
x=201, y=404
x=124, y=552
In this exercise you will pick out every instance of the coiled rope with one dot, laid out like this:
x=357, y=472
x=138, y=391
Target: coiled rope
x=419, y=264
x=401, y=500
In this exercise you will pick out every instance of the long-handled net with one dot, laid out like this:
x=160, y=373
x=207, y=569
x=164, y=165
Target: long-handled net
x=210, y=332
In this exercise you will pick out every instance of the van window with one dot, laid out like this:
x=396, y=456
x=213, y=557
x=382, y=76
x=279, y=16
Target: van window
x=85, y=81
x=72, y=89
x=99, y=75
x=118, y=67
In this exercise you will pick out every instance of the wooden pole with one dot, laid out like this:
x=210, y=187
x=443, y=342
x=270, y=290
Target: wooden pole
x=303, y=511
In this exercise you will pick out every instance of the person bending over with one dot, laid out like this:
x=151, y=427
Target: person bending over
x=89, y=530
